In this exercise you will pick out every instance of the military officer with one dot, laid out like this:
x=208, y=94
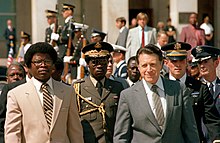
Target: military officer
x=203, y=105
x=66, y=32
x=51, y=20
x=207, y=57
x=97, y=36
x=98, y=96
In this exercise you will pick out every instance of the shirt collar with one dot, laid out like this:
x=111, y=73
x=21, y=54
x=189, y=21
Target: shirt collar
x=118, y=65
x=140, y=28
x=94, y=81
x=159, y=83
x=208, y=83
x=182, y=79
x=122, y=29
x=129, y=81
x=68, y=18
x=38, y=83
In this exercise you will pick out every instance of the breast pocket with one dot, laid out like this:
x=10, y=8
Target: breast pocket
x=87, y=112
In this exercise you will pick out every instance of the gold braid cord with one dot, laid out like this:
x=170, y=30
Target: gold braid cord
x=96, y=107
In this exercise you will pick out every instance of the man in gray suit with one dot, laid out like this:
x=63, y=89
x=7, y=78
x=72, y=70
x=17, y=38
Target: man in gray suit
x=140, y=36
x=123, y=31
x=155, y=109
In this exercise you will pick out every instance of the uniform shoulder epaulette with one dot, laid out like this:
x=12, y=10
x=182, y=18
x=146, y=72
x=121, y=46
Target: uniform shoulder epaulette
x=78, y=81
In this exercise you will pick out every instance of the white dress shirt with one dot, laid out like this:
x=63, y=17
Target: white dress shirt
x=37, y=85
x=145, y=35
x=161, y=93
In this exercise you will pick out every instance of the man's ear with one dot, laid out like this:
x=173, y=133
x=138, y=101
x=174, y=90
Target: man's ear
x=216, y=62
x=165, y=62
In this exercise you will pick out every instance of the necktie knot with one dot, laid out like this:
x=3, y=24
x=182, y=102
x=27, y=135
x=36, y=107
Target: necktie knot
x=154, y=88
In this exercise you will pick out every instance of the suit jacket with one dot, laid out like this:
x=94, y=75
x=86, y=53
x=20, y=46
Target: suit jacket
x=92, y=122
x=122, y=37
x=133, y=42
x=136, y=123
x=3, y=103
x=193, y=36
x=204, y=108
x=216, y=95
x=26, y=122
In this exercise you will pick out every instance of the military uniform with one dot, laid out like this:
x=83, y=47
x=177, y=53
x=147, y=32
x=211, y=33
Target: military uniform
x=67, y=30
x=202, y=102
x=202, y=53
x=49, y=30
x=98, y=111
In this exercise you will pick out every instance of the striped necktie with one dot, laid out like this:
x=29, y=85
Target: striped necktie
x=158, y=105
x=47, y=104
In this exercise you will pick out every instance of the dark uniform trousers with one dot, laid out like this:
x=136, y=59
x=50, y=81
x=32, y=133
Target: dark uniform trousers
x=95, y=129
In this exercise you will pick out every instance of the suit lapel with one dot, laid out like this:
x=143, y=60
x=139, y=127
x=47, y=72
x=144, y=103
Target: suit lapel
x=58, y=100
x=217, y=89
x=146, y=105
x=106, y=90
x=35, y=102
x=149, y=33
x=170, y=101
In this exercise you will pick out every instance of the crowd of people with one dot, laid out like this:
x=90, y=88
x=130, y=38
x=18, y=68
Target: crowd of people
x=146, y=87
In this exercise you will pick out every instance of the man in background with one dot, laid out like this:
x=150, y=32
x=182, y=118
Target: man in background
x=202, y=101
x=140, y=36
x=10, y=36
x=123, y=31
x=133, y=72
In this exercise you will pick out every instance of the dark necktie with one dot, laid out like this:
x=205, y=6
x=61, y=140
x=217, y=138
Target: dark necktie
x=143, y=39
x=99, y=87
x=211, y=88
x=47, y=104
x=158, y=105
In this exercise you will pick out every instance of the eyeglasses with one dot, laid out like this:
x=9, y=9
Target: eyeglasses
x=99, y=61
x=40, y=62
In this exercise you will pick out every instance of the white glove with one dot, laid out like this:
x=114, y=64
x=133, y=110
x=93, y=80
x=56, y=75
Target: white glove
x=82, y=62
x=54, y=36
x=67, y=59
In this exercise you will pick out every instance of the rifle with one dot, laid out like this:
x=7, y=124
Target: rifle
x=82, y=70
x=68, y=51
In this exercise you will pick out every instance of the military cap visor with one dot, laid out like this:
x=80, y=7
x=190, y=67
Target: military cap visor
x=97, y=49
x=98, y=33
x=24, y=35
x=67, y=7
x=205, y=52
x=176, y=50
x=50, y=13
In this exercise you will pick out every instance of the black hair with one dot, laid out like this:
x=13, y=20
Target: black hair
x=133, y=58
x=40, y=47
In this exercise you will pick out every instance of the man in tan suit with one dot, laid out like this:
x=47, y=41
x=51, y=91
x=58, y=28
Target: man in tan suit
x=42, y=110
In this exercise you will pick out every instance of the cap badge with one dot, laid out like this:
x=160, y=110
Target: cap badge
x=177, y=46
x=98, y=45
x=199, y=49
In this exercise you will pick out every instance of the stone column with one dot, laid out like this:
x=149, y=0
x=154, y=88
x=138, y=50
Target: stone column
x=39, y=21
x=112, y=9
